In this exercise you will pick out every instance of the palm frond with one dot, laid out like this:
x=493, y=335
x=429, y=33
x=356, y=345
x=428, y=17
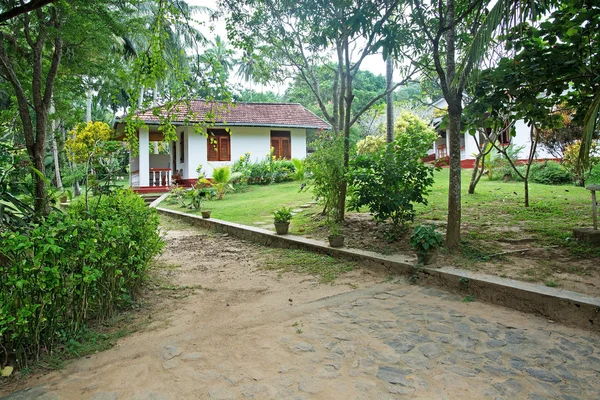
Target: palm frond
x=589, y=128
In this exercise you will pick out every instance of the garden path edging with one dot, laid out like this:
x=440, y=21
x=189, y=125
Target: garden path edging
x=558, y=305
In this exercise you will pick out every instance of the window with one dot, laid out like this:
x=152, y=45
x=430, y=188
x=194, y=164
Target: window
x=281, y=144
x=218, y=144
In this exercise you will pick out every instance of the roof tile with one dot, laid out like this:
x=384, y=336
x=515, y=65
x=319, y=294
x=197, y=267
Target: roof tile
x=247, y=114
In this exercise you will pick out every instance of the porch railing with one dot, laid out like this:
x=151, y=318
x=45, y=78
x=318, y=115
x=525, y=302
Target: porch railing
x=160, y=176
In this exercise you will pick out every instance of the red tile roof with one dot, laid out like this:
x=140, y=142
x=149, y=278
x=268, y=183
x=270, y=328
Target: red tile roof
x=288, y=115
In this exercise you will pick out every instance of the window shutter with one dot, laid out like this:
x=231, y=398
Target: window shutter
x=212, y=143
x=275, y=145
x=286, y=148
x=224, y=148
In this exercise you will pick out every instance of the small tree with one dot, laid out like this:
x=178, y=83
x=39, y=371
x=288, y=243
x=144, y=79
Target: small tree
x=89, y=145
x=390, y=181
x=327, y=167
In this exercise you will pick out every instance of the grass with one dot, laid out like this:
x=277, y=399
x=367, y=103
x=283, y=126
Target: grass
x=495, y=212
x=256, y=204
x=324, y=267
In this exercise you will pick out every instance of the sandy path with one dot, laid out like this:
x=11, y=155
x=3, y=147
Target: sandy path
x=251, y=333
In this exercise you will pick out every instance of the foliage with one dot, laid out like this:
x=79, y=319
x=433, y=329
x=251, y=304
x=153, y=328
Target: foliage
x=326, y=164
x=222, y=180
x=550, y=173
x=15, y=197
x=90, y=145
x=391, y=181
x=425, y=238
x=298, y=169
x=196, y=195
x=71, y=268
x=283, y=215
x=297, y=38
x=556, y=140
x=497, y=163
x=370, y=144
x=85, y=141
x=266, y=171
x=579, y=168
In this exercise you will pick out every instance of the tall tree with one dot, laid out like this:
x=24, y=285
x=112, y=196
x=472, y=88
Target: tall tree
x=449, y=38
x=304, y=34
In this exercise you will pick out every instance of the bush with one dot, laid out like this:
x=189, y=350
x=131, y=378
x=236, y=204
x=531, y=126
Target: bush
x=581, y=172
x=72, y=268
x=549, y=173
x=326, y=165
x=390, y=181
x=266, y=171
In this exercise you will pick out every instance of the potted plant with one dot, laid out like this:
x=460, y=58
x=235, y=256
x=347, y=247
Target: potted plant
x=282, y=220
x=426, y=240
x=336, y=239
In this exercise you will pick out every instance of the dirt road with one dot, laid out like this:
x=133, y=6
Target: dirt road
x=247, y=332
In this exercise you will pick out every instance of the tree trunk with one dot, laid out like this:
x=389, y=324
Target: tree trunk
x=55, y=149
x=346, y=109
x=389, y=98
x=477, y=172
x=88, y=106
x=454, y=198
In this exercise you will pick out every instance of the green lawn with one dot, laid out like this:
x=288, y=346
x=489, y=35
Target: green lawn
x=494, y=220
x=494, y=212
x=497, y=206
x=256, y=204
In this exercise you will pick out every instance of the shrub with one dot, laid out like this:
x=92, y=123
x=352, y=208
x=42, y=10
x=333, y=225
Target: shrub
x=550, y=173
x=266, y=171
x=390, y=181
x=71, y=268
x=370, y=144
x=326, y=165
x=580, y=171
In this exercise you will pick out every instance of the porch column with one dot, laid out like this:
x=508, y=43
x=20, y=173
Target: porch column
x=144, y=157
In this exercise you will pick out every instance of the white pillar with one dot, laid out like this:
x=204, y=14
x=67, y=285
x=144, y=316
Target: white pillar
x=447, y=143
x=144, y=157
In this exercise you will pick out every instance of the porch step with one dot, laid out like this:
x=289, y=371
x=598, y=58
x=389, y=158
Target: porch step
x=149, y=198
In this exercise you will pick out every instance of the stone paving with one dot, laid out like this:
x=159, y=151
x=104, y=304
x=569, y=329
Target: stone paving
x=411, y=342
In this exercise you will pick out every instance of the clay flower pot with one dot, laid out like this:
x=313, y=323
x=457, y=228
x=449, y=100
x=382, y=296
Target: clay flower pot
x=282, y=227
x=206, y=214
x=336, y=240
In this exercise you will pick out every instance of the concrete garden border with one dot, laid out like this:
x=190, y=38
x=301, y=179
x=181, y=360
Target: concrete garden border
x=558, y=305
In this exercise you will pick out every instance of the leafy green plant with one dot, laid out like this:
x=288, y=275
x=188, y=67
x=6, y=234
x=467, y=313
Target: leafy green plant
x=222, y=180
x=391, y=181
x=334, y=229
x=574, y=164
x=425, y=238
x=550, y=173
x=326, y=164
x=283, y=215
x=71, y=268
x=298, y=169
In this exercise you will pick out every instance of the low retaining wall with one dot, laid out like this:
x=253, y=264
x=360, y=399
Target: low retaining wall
x=558, y=305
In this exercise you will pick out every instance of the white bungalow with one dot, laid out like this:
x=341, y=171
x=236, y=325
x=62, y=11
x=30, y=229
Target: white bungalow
x=234, y=131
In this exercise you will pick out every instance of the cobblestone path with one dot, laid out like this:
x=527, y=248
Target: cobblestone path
x=381, y=341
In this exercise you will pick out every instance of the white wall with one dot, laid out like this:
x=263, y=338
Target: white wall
x=160, y=160
x=522, y=138
x=255, y=140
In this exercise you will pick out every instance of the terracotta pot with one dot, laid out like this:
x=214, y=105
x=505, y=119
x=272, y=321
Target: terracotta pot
x=428, y=258
x=206, y=214
x=282, y=227
x=336, y=240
